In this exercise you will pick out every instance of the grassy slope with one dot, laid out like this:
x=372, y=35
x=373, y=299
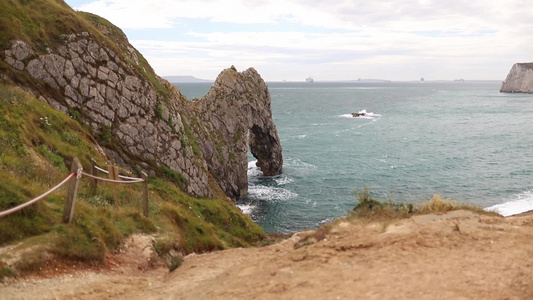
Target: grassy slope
x=37, y=145
x=44, y=25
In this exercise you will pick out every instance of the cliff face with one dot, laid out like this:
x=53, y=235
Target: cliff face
x=142, y=120
x=519, y=79
x=234, y=114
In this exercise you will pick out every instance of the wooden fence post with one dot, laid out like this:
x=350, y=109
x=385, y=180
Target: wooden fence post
x=94, y=173
x=72, y=191
x=145, y=194
x=113, y=174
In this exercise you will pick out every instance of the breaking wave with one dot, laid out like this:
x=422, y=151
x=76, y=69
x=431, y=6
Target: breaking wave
x=364, y=115
x=520, y=203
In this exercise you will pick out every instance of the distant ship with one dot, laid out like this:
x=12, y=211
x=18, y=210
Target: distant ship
x=309, y=79
x=422, y=79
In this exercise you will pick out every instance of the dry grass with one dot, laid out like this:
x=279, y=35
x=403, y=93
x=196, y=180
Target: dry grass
x=369, y=210
x=438, y=205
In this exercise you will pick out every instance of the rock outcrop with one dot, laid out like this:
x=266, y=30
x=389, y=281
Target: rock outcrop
x=142, y=120
x=236, y=113
x=519, y=79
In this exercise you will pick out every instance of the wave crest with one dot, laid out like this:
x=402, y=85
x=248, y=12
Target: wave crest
x=367, y=115
x=521, y=203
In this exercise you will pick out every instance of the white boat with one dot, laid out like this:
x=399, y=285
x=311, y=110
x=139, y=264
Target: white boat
x=309, y=79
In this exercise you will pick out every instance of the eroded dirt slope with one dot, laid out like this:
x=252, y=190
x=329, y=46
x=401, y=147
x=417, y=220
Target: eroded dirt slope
x=457, y=255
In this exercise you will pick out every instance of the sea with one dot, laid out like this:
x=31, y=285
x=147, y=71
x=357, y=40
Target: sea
x=462, y=140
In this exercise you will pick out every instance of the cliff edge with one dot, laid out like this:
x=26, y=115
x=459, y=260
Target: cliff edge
x=456, y=255
x=86, y=68
x=519, y=79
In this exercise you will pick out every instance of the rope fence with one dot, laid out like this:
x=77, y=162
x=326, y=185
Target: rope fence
x=130, y=179
x=72, y=191
x=100, y=169
x=26, y=204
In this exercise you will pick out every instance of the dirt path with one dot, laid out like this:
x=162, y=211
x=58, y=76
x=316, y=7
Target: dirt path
x=453, y=256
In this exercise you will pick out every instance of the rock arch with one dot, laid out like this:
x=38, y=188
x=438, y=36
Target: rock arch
x=265, y=146
x=238, y=110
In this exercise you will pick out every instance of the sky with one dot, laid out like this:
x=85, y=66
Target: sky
x=398, y=40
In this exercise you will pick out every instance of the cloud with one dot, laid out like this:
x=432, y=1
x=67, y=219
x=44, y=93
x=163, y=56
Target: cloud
x=391, y=39
x=138, y=14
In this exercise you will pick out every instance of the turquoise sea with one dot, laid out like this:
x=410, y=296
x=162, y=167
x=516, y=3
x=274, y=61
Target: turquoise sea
x=461, y=140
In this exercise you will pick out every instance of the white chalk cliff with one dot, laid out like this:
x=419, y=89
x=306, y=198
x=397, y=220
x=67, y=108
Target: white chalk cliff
x=519, y=79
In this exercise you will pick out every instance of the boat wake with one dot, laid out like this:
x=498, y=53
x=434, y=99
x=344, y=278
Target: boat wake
x=363, y=114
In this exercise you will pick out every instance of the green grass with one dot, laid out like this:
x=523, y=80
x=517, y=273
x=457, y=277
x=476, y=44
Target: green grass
x=44, y=25
x=192, y=139
x=40, y=23
x=38, y=144
x=36, y=153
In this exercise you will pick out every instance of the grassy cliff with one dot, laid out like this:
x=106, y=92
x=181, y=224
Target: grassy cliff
x=42, y=24
x=37, y=145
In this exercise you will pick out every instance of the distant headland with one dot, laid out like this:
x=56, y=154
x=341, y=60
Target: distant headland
x=185, y=79
x=519, y=79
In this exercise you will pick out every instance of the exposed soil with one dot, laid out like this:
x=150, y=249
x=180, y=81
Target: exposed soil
x=457, y=255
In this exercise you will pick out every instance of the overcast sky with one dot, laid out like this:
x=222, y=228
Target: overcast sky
x=328, y=40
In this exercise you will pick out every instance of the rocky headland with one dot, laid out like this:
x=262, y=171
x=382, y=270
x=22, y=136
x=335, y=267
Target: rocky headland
x=519, y=79
x=84, y=67
x=72, y=86
x=141, y=120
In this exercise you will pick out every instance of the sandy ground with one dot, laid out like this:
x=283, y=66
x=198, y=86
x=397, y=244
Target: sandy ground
x=457, y=255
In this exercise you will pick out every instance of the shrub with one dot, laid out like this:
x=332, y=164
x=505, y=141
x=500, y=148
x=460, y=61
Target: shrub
x=366, y=202
x=175, y=262
x=159, y=111
x=368, y=207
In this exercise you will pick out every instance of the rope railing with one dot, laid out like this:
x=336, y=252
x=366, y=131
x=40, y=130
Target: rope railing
x=35, y=200
x=101, y=170
x=114, y=177
x=130, y=179
x=107, y=172
x=72, y=191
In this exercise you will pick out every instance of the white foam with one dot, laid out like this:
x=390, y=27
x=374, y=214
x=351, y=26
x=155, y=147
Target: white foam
x=296, y=163
x=251, y=164
x=246, y=209
x=368, y=115
x=521, y=203
x=270, y=193
x=253, y=170
x=282, y=180
x=328, y=220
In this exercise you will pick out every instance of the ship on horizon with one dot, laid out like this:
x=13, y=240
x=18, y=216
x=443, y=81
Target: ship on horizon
x=309, y=79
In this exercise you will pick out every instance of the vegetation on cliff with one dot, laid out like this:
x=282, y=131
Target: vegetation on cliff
x=86, y=67
x=71, y=86
x=37, y=145
x=42, y=24
x=368, y=207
